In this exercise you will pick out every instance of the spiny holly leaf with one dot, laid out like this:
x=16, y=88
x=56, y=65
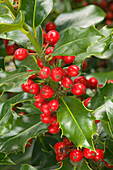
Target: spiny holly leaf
x=108, y=155
x=77, y=41
x=43, y=155
x=84, y=17
x=24, y=128
x=14, y=80
x=6, y=115
x=7, y=23
x=83, y=166
x=76, y=122
x=27, y=167
x=66, y=165
x=4, y=160
x=36, y=11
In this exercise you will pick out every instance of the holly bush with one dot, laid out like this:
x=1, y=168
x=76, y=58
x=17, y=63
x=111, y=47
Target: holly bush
x=56, y=105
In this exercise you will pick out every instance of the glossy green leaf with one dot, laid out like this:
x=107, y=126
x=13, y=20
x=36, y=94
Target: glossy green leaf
x=84, y=166
x=43, y=155
x=3, y=10
x=77, y=41
x=83, y=17
x=24, y=128
x=36, y=11
x=7, y=23
x=4, y=160
x=27, y=167
x=6, y=115
x=108, y=155
x=15, y=80
x=66, y=165
x=73, y=118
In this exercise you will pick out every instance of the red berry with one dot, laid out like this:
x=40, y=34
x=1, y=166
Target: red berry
x=109, y=15
x=52, y=37
x=68, y=59
x=54, y=121
x=84, y=66
x=25, y=86
x=21, y=54
x=67, y=82
x=45, y=72
x=10, y=49
x=45, y=118
x=111, y=6
x=97, y=121
x=88, y=153
x=92, y=83
x=50, y=26
x=103, y=4
x=57, y=73
x=44, y=34
x=47, y=92
x=67, y=142
x=45, y=109
x=109, y=81
x=39, y=98
x=38, y=104
x=80, y=79
x=61, y=157
x=108, y=22
x=53, y=129
x=60, y=148
x=78, y=89
x=32, y=76
x=39, y=63
x=73, y=70
x=76, y=155
x=21, y=113
x=49, y=50
x=86, y=101
x=98, y=156
x=5, y=42
x=53, y=105
x=34, y=88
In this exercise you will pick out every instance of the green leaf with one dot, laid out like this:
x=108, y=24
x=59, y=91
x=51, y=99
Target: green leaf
x=39, y=35
x=36, y=11
x=6, y=115
x=84, y=166
x=5, y=160
x=7, y=23
x=83, y=17
x=108, y=155
x=66, y=165
x=24, y=128
x=73, y=118
x=76, y=41
x=14, y=80
x=3, y=10
x=27, y=167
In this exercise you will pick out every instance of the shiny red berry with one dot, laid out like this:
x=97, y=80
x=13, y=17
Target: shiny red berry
x=39, y=98
x=29, y=143
x=45, y=118
x=86, y=101
x=88, y=153
x=21, y=114
x=45, y=72
x=32, y=76
x=50, y=26
x=73, y=70
x=52, y=37
x=47, y=92
x=98, y=156
x=53, y=105
x=92, y=83
x=67, y=142
x=54, y=121
x=78, y=89
x=39, y=63
x=84, y=66
x=80, y=79
x=25, y=86
x=45, y=109
x=67, y=82
x=53, y=129
x=38, y=104
x=97, y=121
x=49, y=50
x=68, y=59
x=61, y=157
x=76, y=155
x=21, y=54
x=57, y=73
x=10, y=49
x=34, y=88
x=60, y=148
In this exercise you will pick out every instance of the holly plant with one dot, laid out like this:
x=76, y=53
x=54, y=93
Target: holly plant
x=56, y=105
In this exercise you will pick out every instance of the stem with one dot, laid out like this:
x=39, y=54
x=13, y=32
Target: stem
x=32, y=53
x=10, y=6
x=2, y=63
x=34, y=28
